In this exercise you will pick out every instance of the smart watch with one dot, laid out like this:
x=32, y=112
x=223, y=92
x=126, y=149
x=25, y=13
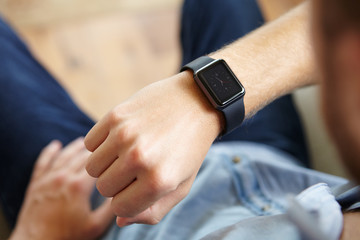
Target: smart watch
x=221, y=87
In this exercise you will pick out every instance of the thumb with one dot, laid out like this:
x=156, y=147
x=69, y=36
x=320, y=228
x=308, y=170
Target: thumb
x=101, y=218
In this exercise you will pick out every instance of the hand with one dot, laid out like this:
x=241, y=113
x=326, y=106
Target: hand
x=148, y=150
x=56, y=204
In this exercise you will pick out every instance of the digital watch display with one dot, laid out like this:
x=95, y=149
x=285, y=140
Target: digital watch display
x=221, y=87
x=221, y=83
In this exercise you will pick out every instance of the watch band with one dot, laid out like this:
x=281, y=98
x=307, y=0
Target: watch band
x=234, y=112
x=234, y=115
x=197, y=64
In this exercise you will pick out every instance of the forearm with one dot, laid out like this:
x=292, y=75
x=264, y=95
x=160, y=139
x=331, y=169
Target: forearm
x=273, y=60
x=161, y=135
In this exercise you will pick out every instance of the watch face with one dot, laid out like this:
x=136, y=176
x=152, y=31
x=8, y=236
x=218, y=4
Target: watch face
x=221, y=83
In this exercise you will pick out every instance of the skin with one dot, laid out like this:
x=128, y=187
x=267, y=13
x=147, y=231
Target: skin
x=147, y=151
x=57, y=204
x=147, y=163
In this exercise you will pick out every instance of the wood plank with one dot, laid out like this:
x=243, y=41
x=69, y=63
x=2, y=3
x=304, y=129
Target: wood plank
x=104, y=60
x=273, y=9
x=45, y=12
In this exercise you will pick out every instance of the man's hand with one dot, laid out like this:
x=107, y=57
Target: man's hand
x=148, y=150
x=57, y=202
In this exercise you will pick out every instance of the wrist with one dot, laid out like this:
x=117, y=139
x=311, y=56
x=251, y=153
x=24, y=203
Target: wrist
x=221, y=87
x=242, y=73
x=212, y=118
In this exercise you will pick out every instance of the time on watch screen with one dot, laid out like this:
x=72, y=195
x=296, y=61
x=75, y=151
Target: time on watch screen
x=220, y=81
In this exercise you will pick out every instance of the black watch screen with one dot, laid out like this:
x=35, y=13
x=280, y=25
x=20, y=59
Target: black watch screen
x=221, y=82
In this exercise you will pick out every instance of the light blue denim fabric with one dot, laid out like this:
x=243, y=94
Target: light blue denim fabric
x=240, y=185
x=314, y=214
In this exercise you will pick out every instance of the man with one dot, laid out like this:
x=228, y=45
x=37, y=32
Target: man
x=148, y=162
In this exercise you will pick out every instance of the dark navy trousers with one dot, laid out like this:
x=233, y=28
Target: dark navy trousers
x=35, y=109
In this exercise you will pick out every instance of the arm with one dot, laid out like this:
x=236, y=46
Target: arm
x=148, y=150
x=273, y=60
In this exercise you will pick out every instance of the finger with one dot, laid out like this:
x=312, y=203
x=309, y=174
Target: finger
x=119, y=170
x=101, y=218
x=79, y=161
x=46, y=158
x=87, y=183
x=68, y=153
x=156, y=212
x=102, y=157
x=139, y=196
x=97, y=135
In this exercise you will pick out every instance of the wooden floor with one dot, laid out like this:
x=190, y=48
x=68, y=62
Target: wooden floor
x=102, y=57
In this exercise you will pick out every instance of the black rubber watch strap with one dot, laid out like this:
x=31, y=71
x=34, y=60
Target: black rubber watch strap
x=234, y=115
x=197, y=64
x=234, y=112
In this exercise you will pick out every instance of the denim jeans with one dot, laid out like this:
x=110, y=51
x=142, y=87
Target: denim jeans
x=35, y=109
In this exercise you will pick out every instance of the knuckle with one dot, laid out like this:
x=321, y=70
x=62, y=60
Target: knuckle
x=137, y=157
x=124, y=133
x=103, y=188
x=59, y=179
x=160, y=182
x=114, y=117
x=76, y=185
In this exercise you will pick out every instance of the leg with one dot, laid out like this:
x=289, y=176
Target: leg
x=207, y=25
x=34, y=110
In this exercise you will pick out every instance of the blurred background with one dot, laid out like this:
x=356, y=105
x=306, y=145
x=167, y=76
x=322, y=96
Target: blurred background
x=118, y=46
x=104, y=51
